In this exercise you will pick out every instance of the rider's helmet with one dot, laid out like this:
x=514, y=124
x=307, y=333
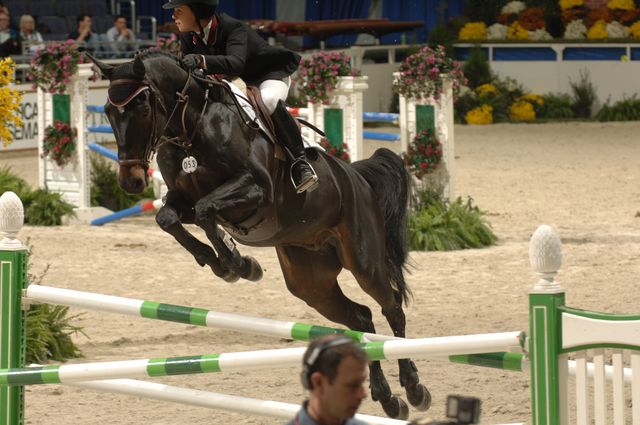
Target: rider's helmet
x=202, y=9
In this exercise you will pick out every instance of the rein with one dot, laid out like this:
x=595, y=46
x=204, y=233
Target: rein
x=183, y=141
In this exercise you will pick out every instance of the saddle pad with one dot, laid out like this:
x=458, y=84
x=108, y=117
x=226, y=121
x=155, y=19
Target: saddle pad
x=242, y=100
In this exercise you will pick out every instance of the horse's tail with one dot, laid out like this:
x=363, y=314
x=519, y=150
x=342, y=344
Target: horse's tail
x=386, y=174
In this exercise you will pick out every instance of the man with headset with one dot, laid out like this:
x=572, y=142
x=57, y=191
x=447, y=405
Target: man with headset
x=334, y=372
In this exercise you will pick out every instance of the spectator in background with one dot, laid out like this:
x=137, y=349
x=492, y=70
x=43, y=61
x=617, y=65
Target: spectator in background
x=4, y=8
x=121, y=39
x=83, y=34
x=6, y=32
x=9, y=41
x=30, y=38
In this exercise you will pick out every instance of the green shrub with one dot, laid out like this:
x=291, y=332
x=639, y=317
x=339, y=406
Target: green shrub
x=438, y=225
x=556, y=106
x=41, y=207
x=627, y=109
x=49, y=329
x=476, y=68
x=584, y=95
x=105, y=190
x=45, y=208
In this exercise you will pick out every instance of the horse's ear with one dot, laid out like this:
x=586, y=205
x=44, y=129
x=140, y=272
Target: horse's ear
x=104, y=68
x=138, y=67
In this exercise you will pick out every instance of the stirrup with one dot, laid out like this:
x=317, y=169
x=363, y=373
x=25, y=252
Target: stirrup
x=307, y=185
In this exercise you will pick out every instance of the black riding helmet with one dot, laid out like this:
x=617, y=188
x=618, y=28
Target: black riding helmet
x=202, y=9
x=175, y=3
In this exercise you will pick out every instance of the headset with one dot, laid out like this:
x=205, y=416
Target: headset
x=309, y=365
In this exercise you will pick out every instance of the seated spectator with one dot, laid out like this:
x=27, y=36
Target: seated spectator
x=83, y=35
x=31, y=39
x=9, y=41
x=121, y=39
x=4, y=8
x=6, y=32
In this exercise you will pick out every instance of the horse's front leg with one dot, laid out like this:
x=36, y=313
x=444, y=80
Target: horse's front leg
x=239, y=193
x=170, y=218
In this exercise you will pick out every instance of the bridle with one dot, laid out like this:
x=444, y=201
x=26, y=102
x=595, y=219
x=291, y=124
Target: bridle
x=156, y=138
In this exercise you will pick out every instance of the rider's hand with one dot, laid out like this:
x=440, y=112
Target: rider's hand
x=192, y=61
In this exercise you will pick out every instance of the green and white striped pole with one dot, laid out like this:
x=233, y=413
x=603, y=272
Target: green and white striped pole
x=251, y=360
x=547, y=389
x=13, y=277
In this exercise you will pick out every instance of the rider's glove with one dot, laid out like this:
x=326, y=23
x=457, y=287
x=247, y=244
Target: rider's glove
x=192, y=61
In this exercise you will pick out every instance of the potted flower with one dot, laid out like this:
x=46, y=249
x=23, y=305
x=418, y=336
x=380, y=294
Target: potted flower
x=9, y=102
x=59, y=142
x=424, y=154
x=423, y=74
x=340, y=151
x=53, y=66
x=318, y=76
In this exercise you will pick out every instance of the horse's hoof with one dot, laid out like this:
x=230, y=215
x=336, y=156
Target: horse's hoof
x=250, y=269
x=419, y=397
x=396, y=408
x=231, y=277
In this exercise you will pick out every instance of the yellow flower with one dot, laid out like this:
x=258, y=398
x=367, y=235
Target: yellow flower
x=634, y=30
x=9, y=102
x=522, y=110
x=568, y=4
x=621, y=5
x=473, y=31
x=533, y=98
x=517, y=32
x=485, y=89
x=598, y=30
x=482, y=115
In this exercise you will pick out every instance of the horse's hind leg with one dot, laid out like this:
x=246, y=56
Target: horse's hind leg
x=311, y=276
x=371, y=273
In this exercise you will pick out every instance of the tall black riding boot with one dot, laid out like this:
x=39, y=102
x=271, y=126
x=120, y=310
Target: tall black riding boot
x=303, y=175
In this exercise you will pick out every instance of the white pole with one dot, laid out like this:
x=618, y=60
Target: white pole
x=211, y=400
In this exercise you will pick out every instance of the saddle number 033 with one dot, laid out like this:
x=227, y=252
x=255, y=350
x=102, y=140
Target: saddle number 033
x=189, y=165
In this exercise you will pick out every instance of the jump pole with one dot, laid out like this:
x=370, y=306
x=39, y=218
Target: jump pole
x=211, y=400
x=437, y=347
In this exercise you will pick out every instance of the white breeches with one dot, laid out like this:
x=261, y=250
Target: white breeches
x=273, y=91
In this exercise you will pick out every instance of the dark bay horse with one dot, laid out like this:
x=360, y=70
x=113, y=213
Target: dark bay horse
x=221, y=170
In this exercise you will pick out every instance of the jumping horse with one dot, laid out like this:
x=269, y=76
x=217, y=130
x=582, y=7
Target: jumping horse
x=221, y=170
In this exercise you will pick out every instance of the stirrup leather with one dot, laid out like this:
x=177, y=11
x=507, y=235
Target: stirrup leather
x=310, y=183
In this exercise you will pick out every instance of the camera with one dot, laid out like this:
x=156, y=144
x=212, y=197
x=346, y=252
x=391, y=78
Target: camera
x=461, y=410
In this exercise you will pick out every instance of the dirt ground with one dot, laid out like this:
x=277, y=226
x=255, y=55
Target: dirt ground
x=581, y=178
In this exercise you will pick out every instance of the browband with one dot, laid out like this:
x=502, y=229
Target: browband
x=128, y=99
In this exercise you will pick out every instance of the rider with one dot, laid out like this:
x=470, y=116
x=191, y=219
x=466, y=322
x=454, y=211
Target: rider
x=220, y=44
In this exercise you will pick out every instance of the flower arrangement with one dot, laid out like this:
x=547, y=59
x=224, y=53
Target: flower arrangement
x=424, y=155
x=568, y=4
x=532, y=19
x=318, y=75
x=598, y=30
x=52, y=67
x=621, y=5
x=597, y=15
x=522, y=110
x=473, y=31
x=571, y=15
x=482, y=115
x=540, y=35
x=517, y=32
x=170, y=44
x=338, y=151
x=575, y=30
x=9, y=102
x=422, y=74
x=617, y=30
x=634, y=30
x=534, y=99
x=59, y=142
x=514, y=7
x=486, y=89
x=497, y=32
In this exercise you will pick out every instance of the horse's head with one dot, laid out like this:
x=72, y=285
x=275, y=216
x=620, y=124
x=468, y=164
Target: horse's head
x=136, y=112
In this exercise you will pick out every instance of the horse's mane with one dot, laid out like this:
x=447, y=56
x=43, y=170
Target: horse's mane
x=156, y=53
